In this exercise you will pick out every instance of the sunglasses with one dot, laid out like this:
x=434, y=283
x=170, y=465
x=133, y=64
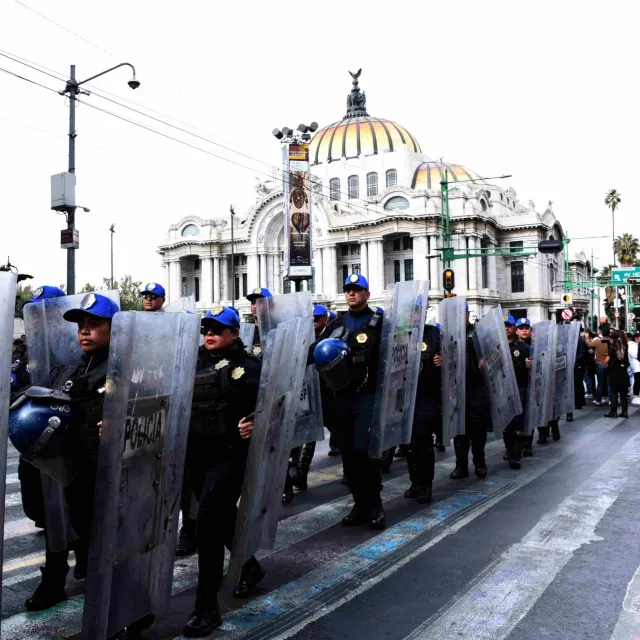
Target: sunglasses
x=150, y=296
x=215, y=329
x=318, y=318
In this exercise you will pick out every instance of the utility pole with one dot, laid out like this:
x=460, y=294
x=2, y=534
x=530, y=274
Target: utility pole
x=233, y=260
x=112, y=228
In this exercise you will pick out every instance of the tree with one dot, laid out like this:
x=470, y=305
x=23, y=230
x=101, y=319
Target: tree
x=88, y=288
x=129, y=289
x=626, y=248
x=24, y=293
x=613, y=200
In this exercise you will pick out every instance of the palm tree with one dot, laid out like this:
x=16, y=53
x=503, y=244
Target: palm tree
x=613, y=200
x=626, y=248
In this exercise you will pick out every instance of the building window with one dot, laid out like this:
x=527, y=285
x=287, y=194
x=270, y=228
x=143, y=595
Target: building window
x=354, y=191
x=408, y=269
x=191, y=230
x=517, y=277
x=396, y=244
x=501, y=198
x=518, y=313
x=197, y=289
x=396, y=270
x=345, y=272
x=392, y=178
x=483, y=204
x=484, y=261
x=236, y=288
x=552, y=277
x=244, y=285
x=345, y=249
x=334, y=189
x=372, y=184
x=355, y=249
x=355, y=268
x=516, y=246
x=407, y=243
x=196, y=264
x=398, y=203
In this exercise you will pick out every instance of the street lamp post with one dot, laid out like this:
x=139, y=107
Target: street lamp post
x=112, y=228
x=73, y=90
x=233, y=260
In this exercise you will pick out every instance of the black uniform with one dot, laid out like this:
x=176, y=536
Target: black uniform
x=225, y=391
x=579, y=371
x=514, y=436
x=477, y=417
x=354, y=408
x=427, y=419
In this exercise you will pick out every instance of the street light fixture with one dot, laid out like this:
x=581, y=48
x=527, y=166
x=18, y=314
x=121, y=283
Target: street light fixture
x=72, y=89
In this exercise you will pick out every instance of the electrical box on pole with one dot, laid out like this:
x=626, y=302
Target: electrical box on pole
x=63, y=191
x=550, y=246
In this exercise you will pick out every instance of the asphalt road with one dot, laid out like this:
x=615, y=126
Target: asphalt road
x=550, y=551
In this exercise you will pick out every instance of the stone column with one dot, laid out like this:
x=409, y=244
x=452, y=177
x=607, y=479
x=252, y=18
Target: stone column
x=473, y=264
x=379, y=282
x=493, y=285
x=277, y=272
x=326, y=270
x=330, y=263
x=436, y=263
x=216, y=279
x=206, y=284
x=305, y=285
x=176, y=287
x=318, y=270
x=364, y=259
x=224, y=277
x=168, y=282
x=252, y=272
x=420, y=271
x=263, y=270
x=269, y=278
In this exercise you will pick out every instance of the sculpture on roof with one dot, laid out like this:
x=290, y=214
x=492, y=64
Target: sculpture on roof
x=356, y=100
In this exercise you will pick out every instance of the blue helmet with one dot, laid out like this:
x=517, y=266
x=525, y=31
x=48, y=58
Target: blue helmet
x=523, y=322
x=356, y=280
x=320, y=310
x=332, y=358
x=332, y=315
x=154, y=288
x=509, y=319
x=37, y=424
x=93, y=304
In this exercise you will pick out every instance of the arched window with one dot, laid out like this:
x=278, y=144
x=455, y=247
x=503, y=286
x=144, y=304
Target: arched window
x=334, y=189
x=483, y=204
x=398, y=203
x=191, y=230
x=354, y=187
x=372, y=184
x=392, y=178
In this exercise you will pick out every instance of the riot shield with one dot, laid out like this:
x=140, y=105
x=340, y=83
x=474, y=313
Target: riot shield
x=188, y=303
x=8, y=283
x=140, y=465
x=540, y=383
x=565, y=361
x=399, y=366
x=572, y=352
x=492, y=349
x=52, y=341
x=550, y=412
x=271, y=313
x=285, y=356
x=247, y=334
x=453, y=347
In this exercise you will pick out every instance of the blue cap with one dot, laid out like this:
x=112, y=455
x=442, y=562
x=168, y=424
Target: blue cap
x=93, y=304
x=437, y=325
x=155, y=288
x=509, y=319
x=259, y=292
x=42, y=293
x=332, y=315
x=234, y=309
x=223, y=315
x=523, y=322
x=320, y=310
x=380, y=311
x=356, y=280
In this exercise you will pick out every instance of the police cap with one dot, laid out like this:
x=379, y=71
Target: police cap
x=259, y=292
x=509, y=319
x=42, y=293
x=93, y=304
x=523, y=322
x=221, y=315
x=320, y=310
x=356, y=280
x=154, y=288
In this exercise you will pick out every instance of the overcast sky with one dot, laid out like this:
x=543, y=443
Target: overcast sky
x=546, y=91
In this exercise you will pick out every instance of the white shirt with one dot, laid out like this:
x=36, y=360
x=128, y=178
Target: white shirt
x=633, y=357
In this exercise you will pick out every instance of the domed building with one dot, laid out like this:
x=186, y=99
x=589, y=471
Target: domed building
x=377, y=210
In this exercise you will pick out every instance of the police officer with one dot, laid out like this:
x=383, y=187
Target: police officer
x=85, y=385
x=334, y=449
x=258, y=292
x=29, y=476
x=524, y=332
x=361, y=329
x=477, y=416
x=154, y=296
x=578, y=375
x=224, y=397
x=421, y=457
x=301, y=457
x=514, y=435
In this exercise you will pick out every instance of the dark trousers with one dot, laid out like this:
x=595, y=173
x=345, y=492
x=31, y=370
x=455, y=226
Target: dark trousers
x=186, y=496
x=353, y=421
x=31, y=492
x=80, y=496
x=619, y=387
x=421, y=456
x=602, y=390
x=517, y=424
x=578, y=386
x=475, y=437
x=636, y=384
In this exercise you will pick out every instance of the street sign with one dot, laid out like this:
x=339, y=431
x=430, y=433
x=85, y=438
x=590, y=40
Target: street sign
x=620, y=276
x=69, y=239
x=567, y=314
x=567, y=299
x=631, y=316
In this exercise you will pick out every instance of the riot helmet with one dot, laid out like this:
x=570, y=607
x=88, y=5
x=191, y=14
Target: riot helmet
x=332, y=358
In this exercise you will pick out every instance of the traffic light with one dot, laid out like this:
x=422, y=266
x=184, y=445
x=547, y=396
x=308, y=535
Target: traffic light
x=633, y=280
x=550, y=246
x=448, y=279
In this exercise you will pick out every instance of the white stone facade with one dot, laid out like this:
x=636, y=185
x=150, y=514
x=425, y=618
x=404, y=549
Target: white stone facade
x=384, y=238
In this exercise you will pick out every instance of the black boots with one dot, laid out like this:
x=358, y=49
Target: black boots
x=555, y=430
x=461, y=447
x=187, y=538
x=250, y=576
x=569, y=417
x=358, y=515
x=205, y=618
x=543, y=435
x=527, y=446
x=420, y=464
x=49, y=592
x=287, y=492
x=387, y=459
x=513, y=443
x=299, y=480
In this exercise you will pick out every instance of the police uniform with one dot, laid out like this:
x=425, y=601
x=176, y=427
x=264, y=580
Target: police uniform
x=527, y=444
x=155, y=289
x=362, y=331
x=84, y=383
x=426, y=421
x=514, y=435
x=225, y=390
x=477, y=418
x=258, y=292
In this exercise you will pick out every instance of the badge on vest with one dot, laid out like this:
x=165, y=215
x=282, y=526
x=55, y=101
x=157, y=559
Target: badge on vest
x=222, y=364
x=257, y=350
x=516, y=353
x=424, y=346
x=237, y=373
x=362, y=338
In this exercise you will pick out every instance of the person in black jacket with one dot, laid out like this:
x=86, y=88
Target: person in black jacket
x=617, y=364
x=427, y=419
x=225, y=394
x=85, y=385
x=578, y=375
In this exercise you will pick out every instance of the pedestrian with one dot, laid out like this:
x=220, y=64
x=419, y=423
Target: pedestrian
x=634, y=359
x=618, y=363
x=154, y=296
x=224, y=399
x=590, y=367
x=578, y=375
x=601, y=347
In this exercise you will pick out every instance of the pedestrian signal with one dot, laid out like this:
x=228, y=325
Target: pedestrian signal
x=448, y=279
